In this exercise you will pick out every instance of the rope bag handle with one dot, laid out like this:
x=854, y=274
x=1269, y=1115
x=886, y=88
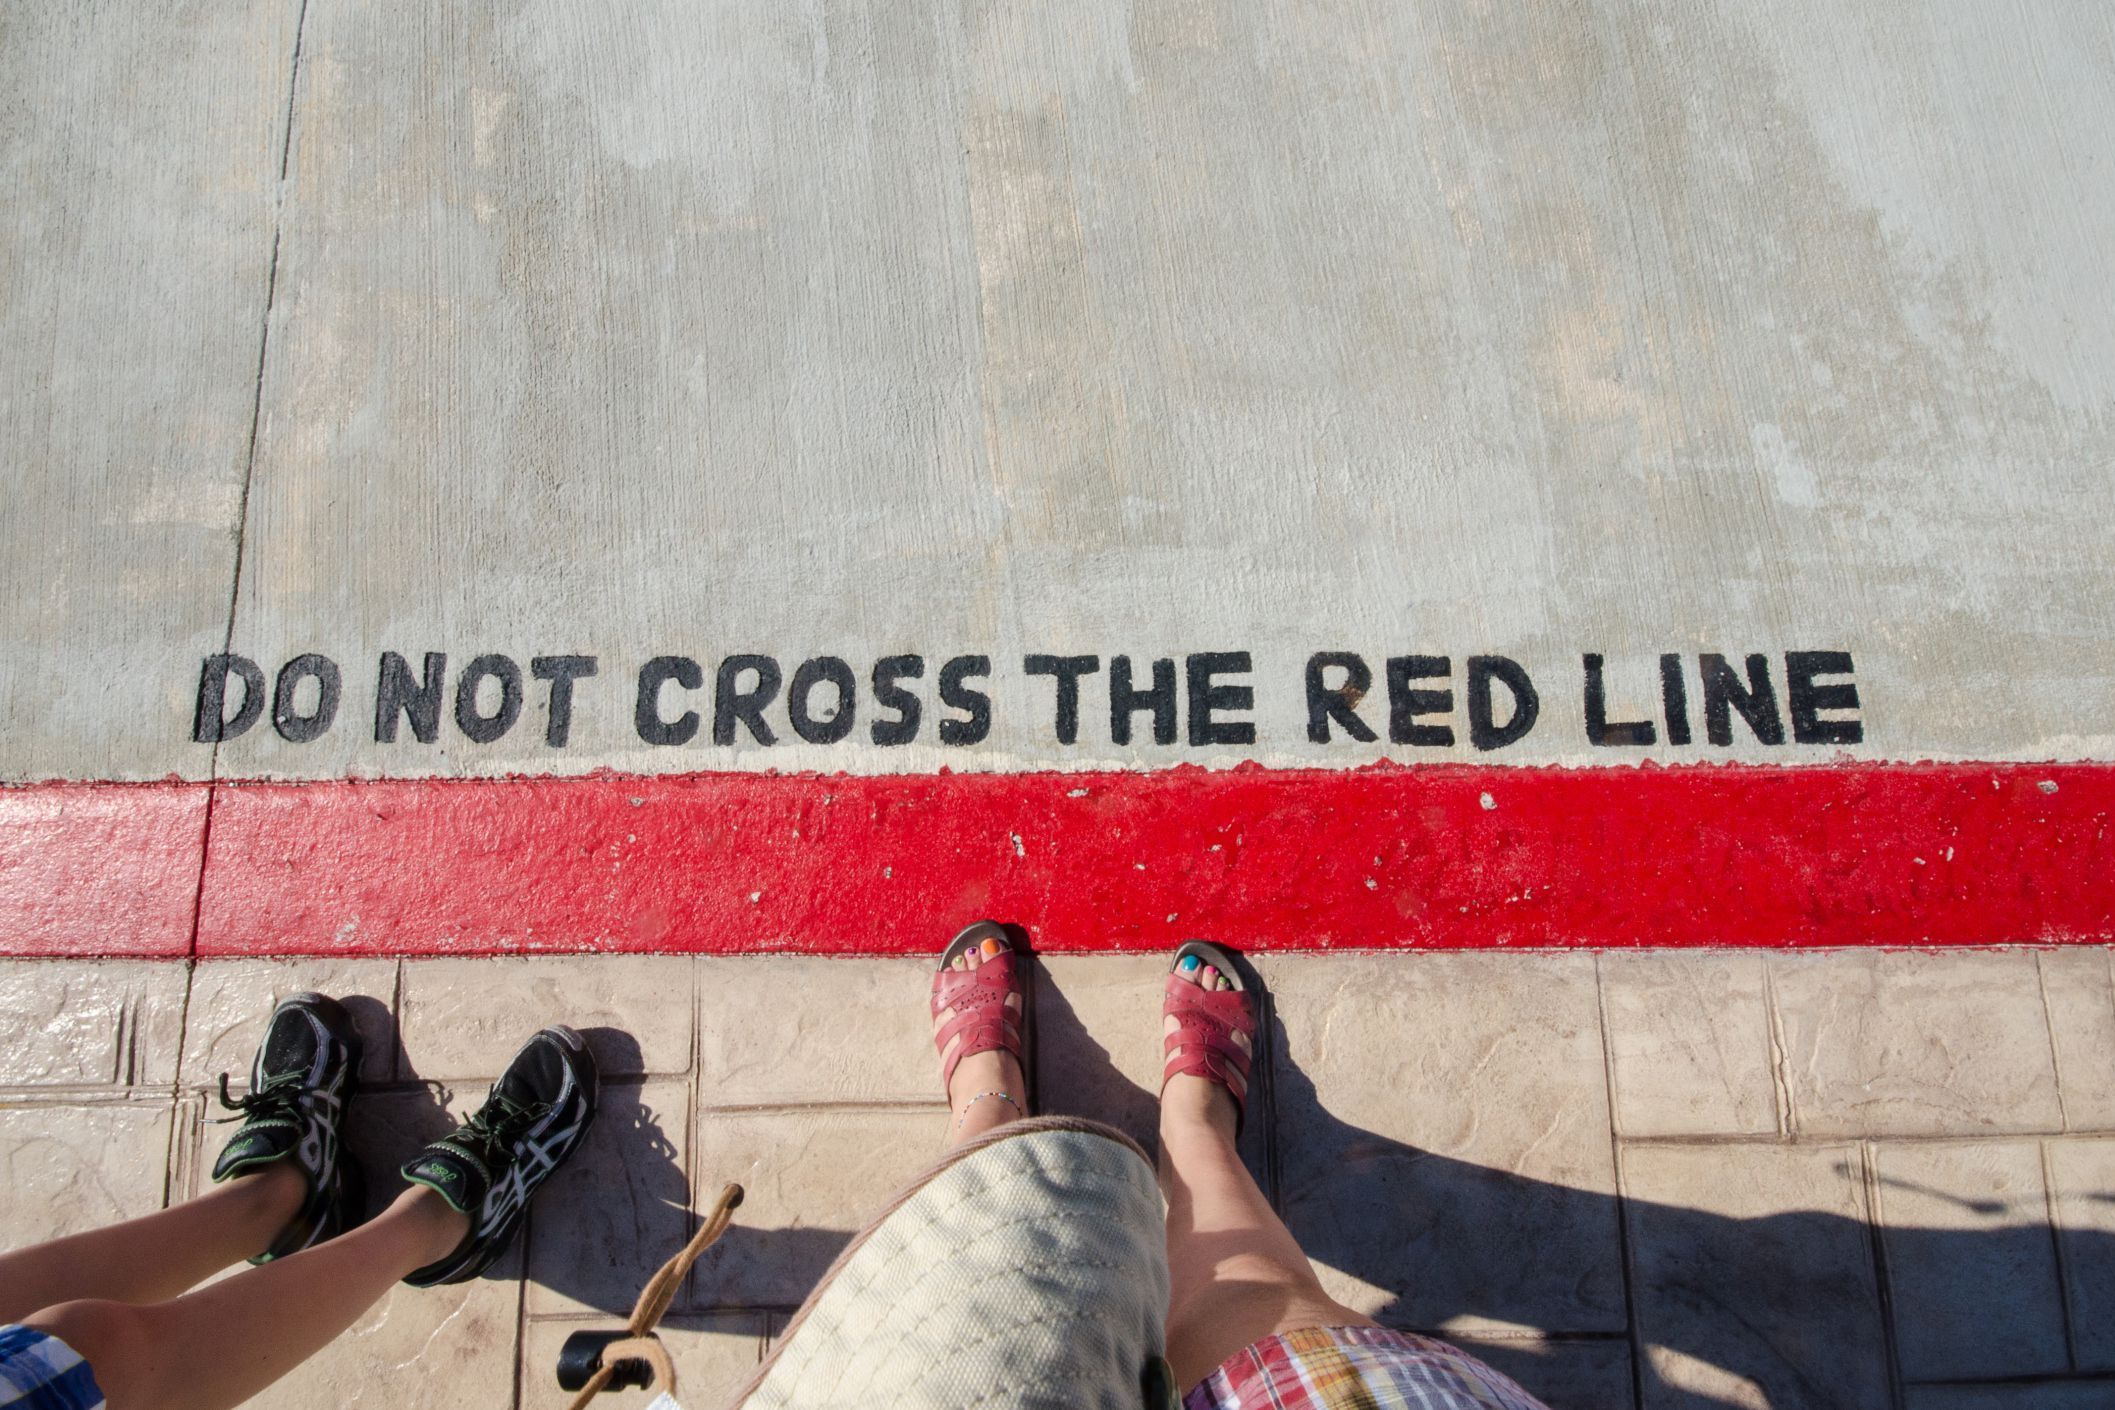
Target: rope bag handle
x=640, y=1343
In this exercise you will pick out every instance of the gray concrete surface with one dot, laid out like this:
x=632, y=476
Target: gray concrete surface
x=1524, y=1153
x=139, y=167
x=852, y=329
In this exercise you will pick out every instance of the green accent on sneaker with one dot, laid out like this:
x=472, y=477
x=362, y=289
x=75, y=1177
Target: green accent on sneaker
x=302, y=1082
x=438, y=1174
x=490, y=1166
x=271, y=1125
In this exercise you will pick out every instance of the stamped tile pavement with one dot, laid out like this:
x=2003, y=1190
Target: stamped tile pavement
x=1665, y=1178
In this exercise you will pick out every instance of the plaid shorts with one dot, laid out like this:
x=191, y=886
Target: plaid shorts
x=1356, y=1368
x=40, y=1372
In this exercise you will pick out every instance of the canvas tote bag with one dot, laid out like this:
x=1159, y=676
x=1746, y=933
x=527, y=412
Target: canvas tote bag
x=1028, y=1269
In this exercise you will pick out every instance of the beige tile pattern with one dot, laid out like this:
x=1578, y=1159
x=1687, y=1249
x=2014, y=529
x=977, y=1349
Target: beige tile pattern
x=1895, y=1043
x=1971, y=1269
x=1423, y=1198
x=2079, y=988
x=1099, y=1039
x=811, y=1179
x=231, y=1002
x=85, y=1022
x=1443, y=1130
x=465, y=1017
x=794, y=1029
x=1689, y=1043
x=619, y=1207
x=67, y=1168
x=416, y=1348
x=1752, y=1276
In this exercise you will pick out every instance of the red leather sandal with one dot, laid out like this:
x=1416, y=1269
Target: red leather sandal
x=978, y=996
x=1205, y=1025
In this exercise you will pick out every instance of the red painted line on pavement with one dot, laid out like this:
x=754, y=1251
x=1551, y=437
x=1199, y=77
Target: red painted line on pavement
x=1375, y=858
x=100, y=869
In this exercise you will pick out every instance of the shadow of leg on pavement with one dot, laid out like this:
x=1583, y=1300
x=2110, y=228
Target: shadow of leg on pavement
x=1801, y=1308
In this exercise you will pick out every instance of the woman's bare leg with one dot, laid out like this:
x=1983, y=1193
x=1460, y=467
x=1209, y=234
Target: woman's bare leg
x=158, y=1255
x=1236, y=1275
x=223, y=1344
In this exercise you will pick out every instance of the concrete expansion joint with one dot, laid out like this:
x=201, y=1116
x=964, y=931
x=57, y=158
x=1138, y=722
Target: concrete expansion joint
x=821, y=1108
x=2066, y=1276
x=1780, y=1059
x=1869, y=1194
x=1831, y=1142
x=2056, y=1058
x=21, y=1098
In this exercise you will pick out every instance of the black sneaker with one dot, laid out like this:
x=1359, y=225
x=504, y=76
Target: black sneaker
x=488, y=1167
x=301, y=1084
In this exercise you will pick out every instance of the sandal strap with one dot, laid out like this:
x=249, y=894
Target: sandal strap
x=1227, y=1011
x=988, y=982
x=1204, y=1045
x=984, y=1019
x=1197, y=1038
x=1205, y=1028
x=1213, y=1067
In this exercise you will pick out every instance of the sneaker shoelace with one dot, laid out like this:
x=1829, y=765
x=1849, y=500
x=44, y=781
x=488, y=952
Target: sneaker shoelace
x=279, y=1096
x=490, y=1132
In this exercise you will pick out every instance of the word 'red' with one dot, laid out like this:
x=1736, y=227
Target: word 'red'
x=1196, y=699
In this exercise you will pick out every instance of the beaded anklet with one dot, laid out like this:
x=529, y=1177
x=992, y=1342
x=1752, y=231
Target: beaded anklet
x=980, y=1097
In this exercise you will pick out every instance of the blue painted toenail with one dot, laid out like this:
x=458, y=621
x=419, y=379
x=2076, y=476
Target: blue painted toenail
x=1189, y=962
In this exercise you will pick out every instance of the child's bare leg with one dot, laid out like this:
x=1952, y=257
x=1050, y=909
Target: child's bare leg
x=158, y=1255
x=261, y=1323
x=278, y=1183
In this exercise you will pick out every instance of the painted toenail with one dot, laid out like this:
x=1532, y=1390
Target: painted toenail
x=991, y=947
x=1189, y=962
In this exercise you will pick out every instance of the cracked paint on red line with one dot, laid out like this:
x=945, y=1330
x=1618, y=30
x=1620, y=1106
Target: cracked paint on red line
x=1439, y=857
